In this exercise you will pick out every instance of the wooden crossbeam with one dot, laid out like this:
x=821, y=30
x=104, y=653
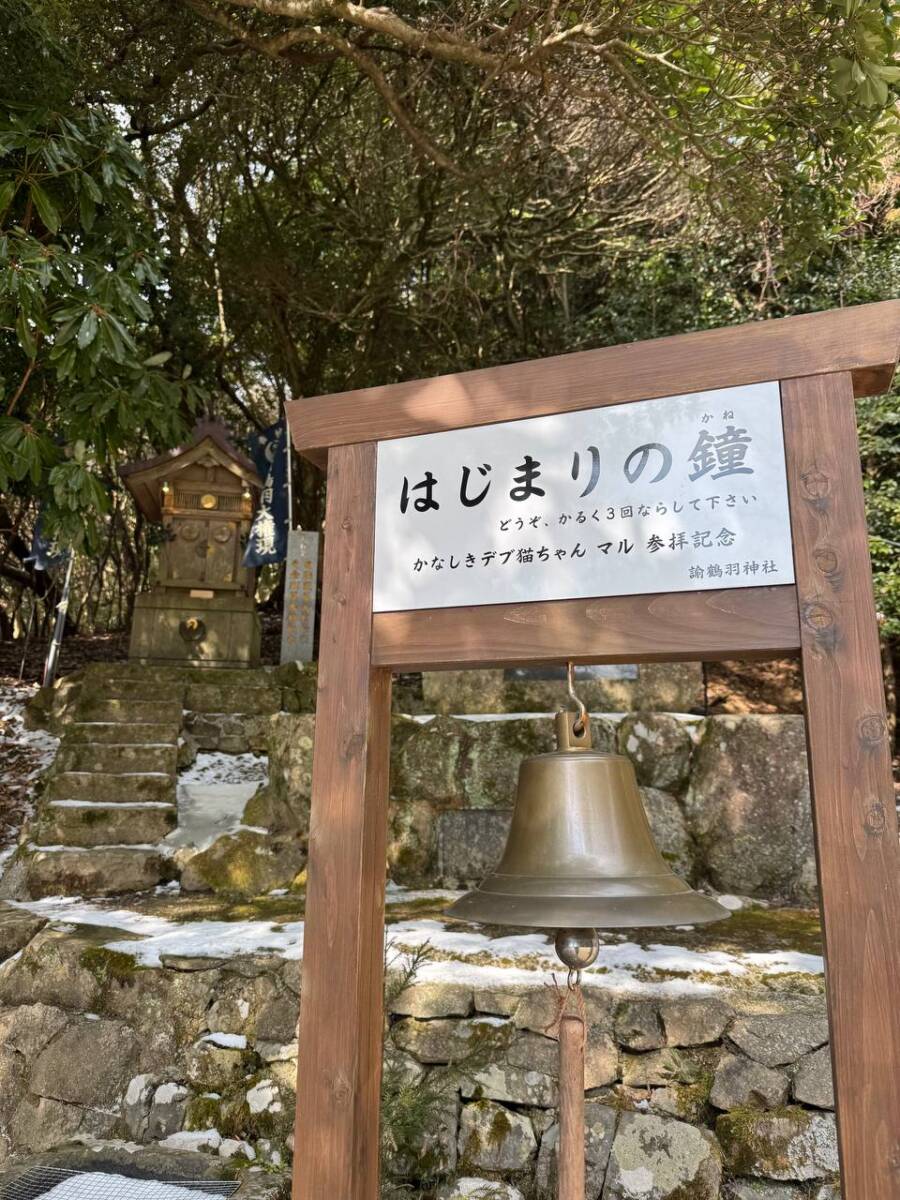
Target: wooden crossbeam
x=861, y=340
x=669, y=627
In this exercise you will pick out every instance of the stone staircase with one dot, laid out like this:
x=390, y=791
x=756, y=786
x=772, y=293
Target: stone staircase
x=110, y=799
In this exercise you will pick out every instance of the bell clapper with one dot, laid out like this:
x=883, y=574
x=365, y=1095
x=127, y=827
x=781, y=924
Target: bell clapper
x=577, y=949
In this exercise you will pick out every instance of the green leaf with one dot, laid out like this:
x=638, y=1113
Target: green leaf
x=87, y=331
x=7, y=191
x=87, y=211
x=46, y=208
x=25, y=336
x=157, y=360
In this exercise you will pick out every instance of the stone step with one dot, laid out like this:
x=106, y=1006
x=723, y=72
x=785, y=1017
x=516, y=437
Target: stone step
x=96, y=871
x=95, y=707
x=126, y=733
x=216, y=697
x=86, y=824
x=112, y=788
x=125, y=689
x=93, y=756
x=103, y=673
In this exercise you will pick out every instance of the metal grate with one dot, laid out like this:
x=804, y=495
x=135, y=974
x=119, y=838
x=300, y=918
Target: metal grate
x=57, y=1183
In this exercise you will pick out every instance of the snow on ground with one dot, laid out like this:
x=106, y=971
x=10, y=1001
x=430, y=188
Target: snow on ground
x=88, y=1185
x=212, y=794
x=216, y=767
x=24, y=753
x=454, y=952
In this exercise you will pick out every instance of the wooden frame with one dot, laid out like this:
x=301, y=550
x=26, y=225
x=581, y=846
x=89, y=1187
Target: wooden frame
x=828, y=617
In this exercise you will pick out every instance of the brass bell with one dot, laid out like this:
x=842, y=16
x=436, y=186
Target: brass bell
x=580, y=854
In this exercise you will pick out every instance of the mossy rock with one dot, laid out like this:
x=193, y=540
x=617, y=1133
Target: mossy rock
x=246, y=863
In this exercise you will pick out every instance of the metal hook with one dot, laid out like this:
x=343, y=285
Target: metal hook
x=581, y=724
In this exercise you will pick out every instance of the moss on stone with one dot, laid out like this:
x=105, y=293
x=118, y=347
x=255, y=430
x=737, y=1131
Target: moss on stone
x=500, y=1127
x=746, y=1150
x=105, y=964
x=203, y=1112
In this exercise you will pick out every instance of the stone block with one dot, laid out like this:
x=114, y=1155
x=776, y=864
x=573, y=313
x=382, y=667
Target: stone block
x=658, y=687
x=444, y=1041
x=116, y=757
x=494, y=751
x=425, y=1000
x=792, y=1144
x=670, y=831
x=470, y=843
x=692, y=1022
x=748, y=1189
x=813, y=1080
x=660, y=747
x=133, y=733
x=99, y=871
x=282, y=805
x=247, y=863
x=599, y=1130
x=470, y=1187
x=638, y=1026
x=777, y=1039
x=95, y=707
x=657, y=1068
x=90, y=824
x=686, y=1101
x=88, y=1063
x=215, y=1068
x=494, y=1138
x=41, y=1123
x=249, y=698
x=513, y=1085
x=432, y=1148
x=748, y=807
x=167, y=1110
x=111, y=789
x=17, y=928
x=450, y=692
x=656, y=1158
x=742, y=1083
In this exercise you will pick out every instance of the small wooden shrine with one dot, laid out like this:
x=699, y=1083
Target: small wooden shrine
x=201, y=611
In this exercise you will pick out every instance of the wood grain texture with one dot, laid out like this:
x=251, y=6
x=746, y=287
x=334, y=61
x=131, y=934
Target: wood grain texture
x=341, y=1015
x=571, y=1108
x=862, y=340
x=850, y=773
x=667, y=627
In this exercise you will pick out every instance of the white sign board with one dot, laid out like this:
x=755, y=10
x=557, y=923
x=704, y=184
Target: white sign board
x=672, y=495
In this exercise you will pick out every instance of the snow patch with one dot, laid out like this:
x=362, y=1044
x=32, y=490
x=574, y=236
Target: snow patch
x=226, y=1041
x=88, y=1184
x=201, y=1139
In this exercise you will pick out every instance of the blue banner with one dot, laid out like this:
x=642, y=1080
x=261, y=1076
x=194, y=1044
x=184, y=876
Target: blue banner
x=45, y=554
x=267, y=540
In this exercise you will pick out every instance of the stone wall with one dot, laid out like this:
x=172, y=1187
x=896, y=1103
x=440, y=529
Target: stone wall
x=719, y=1096
x=727, y=797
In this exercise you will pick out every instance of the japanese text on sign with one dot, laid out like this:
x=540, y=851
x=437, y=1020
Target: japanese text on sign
x=678, y=494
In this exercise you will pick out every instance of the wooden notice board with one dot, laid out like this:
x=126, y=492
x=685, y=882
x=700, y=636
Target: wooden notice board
x=819, y=364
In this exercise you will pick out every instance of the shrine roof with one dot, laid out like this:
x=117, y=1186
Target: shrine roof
x=140, y=476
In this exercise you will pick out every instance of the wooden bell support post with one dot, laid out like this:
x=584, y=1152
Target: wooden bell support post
x=827, y=616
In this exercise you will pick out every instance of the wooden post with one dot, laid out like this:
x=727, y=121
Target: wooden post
x=341, y=1013
x=850, y=774
x=571, y=1108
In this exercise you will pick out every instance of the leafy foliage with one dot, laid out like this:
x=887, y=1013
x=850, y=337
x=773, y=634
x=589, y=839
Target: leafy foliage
x=76, y=268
